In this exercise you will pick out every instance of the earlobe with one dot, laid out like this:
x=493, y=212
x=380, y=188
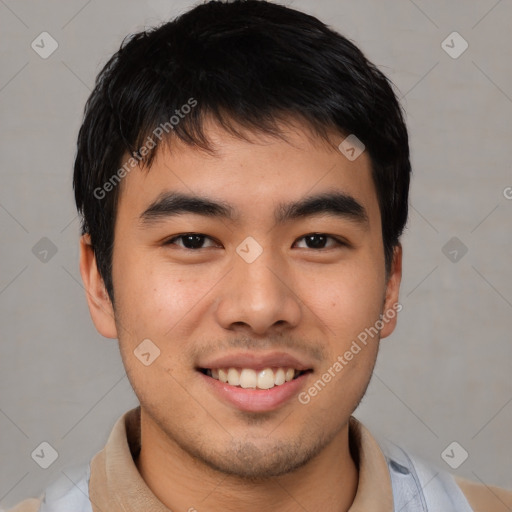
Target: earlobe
x=391, y=302
x=98, y=300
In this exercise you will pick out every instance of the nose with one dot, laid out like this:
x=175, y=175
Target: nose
x=258, y=297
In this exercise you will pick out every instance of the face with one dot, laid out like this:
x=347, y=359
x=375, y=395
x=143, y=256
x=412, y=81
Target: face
x=262, y=284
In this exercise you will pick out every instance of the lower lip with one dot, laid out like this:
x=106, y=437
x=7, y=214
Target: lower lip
x=256, y=400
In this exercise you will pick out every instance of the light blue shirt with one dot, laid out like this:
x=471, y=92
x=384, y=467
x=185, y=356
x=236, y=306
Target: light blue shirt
x=417, y=487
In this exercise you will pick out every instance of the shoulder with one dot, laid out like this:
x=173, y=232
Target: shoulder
x=29, y=505
x=68, y=493
x=485, y=498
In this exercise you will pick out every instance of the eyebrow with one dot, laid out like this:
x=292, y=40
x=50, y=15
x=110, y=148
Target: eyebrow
x=334, y=203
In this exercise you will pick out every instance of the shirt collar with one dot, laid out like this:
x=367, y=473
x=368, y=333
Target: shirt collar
x=117, y=486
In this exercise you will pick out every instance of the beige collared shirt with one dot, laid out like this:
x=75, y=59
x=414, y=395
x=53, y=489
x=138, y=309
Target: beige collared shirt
x=116, y=486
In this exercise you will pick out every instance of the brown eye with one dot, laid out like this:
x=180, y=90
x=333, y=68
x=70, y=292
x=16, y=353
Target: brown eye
x=319, y=241
x=191, y=241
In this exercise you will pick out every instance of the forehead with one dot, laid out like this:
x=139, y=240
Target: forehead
x=252, y=177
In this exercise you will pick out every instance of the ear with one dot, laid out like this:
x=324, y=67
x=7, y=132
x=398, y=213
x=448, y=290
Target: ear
x=100, y=306
x=391, y=304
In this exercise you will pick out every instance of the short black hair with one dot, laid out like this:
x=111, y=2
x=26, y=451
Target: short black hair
x=244, y=63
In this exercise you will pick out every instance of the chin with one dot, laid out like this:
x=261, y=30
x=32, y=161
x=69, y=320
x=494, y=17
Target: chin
x=248, y=461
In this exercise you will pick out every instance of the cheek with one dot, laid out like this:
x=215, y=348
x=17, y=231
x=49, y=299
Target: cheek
x=347, y=298
x=156, y=300
x=157, y=305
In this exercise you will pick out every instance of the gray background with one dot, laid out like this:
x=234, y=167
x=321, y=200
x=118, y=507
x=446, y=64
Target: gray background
x=443, y=376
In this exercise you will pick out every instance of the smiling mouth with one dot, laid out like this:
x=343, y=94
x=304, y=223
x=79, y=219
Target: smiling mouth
x=248, y=378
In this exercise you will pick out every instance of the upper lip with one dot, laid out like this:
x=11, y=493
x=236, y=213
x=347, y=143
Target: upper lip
x=256, y=361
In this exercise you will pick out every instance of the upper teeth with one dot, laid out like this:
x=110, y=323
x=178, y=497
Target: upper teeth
x=249, y=378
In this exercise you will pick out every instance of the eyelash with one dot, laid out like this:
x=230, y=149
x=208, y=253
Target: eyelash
x=339, y=242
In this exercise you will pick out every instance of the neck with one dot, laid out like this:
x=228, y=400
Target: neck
x=180, y=482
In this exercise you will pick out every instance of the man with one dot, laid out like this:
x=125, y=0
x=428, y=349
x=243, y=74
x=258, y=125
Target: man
x=243, y=176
